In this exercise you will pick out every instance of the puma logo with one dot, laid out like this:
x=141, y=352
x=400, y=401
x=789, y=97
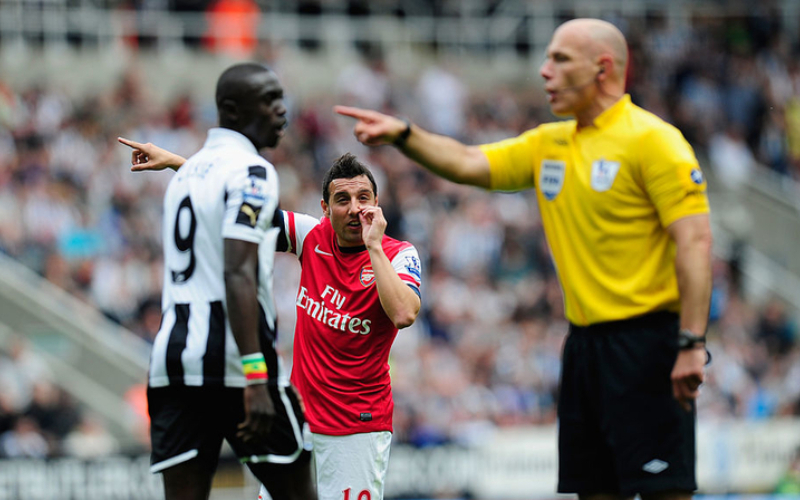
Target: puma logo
x=250, y=212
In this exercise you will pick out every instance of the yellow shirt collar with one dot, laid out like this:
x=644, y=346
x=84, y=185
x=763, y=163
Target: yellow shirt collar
x=611, y=114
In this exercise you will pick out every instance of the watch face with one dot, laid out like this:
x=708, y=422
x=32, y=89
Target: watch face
x=687, y=340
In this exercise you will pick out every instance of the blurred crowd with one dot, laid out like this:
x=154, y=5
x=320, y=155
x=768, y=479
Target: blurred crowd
x=485, y=352
x=38, y=419
x=732, y=86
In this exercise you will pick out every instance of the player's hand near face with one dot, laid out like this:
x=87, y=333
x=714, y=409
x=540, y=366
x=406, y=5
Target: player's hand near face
x=373, y=128
x=148, y=156
x=687, y=375
x=373, y=226
x=399, y=302
x=259, y=412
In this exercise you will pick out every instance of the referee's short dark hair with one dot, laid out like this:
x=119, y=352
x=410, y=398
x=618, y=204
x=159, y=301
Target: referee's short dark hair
x=346, y=166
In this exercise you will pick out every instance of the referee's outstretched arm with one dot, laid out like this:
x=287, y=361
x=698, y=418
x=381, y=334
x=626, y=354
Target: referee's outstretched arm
x=442, y=155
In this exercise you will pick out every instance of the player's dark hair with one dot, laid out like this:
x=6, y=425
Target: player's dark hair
x=346, y=166
x=234, y=83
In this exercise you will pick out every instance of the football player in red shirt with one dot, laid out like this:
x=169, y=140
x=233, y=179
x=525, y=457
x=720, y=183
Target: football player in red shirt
x=357, y=288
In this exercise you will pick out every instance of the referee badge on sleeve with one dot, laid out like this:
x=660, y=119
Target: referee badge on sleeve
x=603, y=174
x=551, y=178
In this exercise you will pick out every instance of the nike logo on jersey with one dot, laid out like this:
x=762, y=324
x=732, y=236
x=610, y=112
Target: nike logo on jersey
x=560, y=142
x=321, y=252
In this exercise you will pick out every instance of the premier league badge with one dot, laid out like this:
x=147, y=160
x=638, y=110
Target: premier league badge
x=603, y=174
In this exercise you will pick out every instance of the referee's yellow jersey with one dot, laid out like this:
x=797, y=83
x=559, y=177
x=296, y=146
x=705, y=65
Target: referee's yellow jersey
x=607, y=193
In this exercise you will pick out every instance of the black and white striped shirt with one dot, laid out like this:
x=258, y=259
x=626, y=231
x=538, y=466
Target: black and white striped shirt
x=226, y=190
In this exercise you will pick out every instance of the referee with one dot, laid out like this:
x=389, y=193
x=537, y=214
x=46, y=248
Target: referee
x=624, y=209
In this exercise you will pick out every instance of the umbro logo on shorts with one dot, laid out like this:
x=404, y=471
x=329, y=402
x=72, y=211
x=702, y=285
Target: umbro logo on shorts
x=655, y=466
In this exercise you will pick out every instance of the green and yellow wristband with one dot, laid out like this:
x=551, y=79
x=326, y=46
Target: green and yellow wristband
x=255, y=368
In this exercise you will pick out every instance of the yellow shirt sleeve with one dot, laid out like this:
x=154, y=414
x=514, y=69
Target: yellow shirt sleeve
x=512, y=162
x=672, y=176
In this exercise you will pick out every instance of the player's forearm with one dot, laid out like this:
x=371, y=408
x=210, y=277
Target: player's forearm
x=160, y=158
x=242, y=306
x=241, y=263
x=447, y=157
x=693, y=268
x=174, y=161
x=177, y=162
x=399, y=302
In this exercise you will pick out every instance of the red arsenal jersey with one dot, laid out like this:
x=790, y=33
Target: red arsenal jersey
x=343, y=336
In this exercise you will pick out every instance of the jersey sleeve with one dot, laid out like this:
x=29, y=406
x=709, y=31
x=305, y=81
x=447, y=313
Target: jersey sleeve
x=672, y=176
x=512, y=161
x=251, y=198
x=406, y=264
x=294, y=227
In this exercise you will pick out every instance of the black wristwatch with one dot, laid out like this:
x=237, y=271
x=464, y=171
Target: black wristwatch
x=688, y=340
x=400, y=141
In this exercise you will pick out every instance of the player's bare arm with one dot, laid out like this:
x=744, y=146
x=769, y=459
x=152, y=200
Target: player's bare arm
x=692, y=237
x=399, y=302
x=241, y=263
x=148, y=156
x=441, y=155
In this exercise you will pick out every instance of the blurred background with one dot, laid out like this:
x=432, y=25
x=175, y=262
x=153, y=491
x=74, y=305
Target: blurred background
x=475, y=378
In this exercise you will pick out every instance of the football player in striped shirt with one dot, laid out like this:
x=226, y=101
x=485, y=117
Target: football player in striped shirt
x=357, y=288
x=214, y=372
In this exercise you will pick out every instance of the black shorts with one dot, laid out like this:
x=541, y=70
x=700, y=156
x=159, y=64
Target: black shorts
x=189, y=422
x=621, y=431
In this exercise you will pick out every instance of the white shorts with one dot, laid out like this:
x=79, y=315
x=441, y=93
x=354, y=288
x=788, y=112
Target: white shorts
x=350, y=467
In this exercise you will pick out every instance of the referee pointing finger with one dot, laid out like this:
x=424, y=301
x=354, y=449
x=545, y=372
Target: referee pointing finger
x=624, y=208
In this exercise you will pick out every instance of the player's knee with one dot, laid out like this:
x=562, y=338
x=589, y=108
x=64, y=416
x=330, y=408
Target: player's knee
x=292, y=482
x=296, y=491
x=187, y=481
